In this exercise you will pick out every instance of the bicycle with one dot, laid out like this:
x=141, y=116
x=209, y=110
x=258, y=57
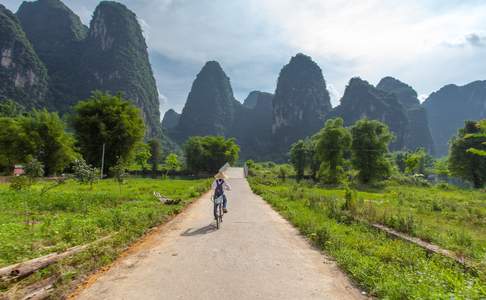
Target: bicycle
x=218, y=210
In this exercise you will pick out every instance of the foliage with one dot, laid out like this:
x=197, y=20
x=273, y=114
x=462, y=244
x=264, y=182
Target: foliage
x=155, y=154
x=389, y=268
x=119, y=172
x=19, y=183
x=369, y=148
x=333, y=142
x=209, y=153
x=110, y=120
x=481, y=135
x=298, y=158
x=172, y=163
x=441, y=168
x=142, y=155
x=10, y=109
x=39, y=134
x=34, y=169
x=416, y=162
x=76, y=214
x=48, y=140
x=84, y=173
x=464, y=164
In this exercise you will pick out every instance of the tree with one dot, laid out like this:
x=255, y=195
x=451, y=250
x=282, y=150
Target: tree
x=142, y=155
x=416, y=162
x=481, y=135
x=171, y=163
x=464, y=163
x=119, y=172
x=313, y=160
x=84, y=173
x=48, y=140
x=14, y=143
x=298, y=158
x=370, y=139
x=209, y=153
x=34, y=169
x=155, y=155
x=41, y=135
x=10, y=109
x=110, y=120
x=334, y=141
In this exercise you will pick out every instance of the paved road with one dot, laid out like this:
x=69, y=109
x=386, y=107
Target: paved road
x=255, y=255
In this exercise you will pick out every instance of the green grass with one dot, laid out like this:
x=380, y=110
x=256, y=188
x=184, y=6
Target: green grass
x=386, y=267
x=32, y=225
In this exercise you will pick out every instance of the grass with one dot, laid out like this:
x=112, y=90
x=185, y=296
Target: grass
x=34, y=224
x=385, y=267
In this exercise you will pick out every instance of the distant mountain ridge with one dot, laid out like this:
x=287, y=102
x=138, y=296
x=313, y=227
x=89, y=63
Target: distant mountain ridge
x=449, y=107
x=417, y=133
x=265, y=125
x=23, y=76
x=111, y=55
x=363, y=100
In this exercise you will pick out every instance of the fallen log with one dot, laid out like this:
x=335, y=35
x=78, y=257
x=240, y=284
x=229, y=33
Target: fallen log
x=28, y=267
x=427, y=246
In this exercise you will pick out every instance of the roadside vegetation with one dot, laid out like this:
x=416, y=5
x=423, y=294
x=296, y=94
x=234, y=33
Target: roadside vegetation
x=76, y=188
x=338, y=220
x=342, y=181
x=34, y=222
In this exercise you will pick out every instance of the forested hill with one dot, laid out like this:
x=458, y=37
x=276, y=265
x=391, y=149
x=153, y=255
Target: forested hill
x=60, y=61
x=23, y=76
x=265, y=125
x=450, y=106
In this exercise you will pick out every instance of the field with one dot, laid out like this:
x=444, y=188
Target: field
x=337, y=221
x=33, y=223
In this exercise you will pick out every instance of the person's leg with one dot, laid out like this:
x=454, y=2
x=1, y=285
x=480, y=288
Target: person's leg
x=225, y=203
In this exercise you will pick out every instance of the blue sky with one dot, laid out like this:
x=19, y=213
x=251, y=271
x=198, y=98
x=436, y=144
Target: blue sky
x=426, y=43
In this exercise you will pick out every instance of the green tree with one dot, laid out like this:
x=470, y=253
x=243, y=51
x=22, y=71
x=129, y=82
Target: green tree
x=298, y=158
x=14, y=144
x=10, y=109
x=110, y=120
x=119, y=171
x=441, y=168
x=172, y=163
x=155, y=155
x=416, y=162
x=462, y=162
x=142, y=155
x=312, y=154
x=34, y=169
x=84, y=173
x=334, y=141
x=480, y=135
x=209, y=153
x=370, y=139
x=40, y=134
x=48, y=140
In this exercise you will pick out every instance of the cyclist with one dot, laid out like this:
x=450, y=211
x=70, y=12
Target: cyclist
x=219, y=185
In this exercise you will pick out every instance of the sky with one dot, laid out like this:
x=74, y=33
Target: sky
x=425, y=43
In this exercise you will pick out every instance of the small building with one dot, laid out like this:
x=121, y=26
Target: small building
x=18, y=170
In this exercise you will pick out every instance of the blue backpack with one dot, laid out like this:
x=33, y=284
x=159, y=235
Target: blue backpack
x=219, y=188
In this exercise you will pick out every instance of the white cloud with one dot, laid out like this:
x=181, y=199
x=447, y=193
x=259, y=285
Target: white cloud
x=425, y=43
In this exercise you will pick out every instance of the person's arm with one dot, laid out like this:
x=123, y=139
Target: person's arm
x=213, y=186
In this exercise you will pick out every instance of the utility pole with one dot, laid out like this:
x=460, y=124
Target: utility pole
x=102, y=160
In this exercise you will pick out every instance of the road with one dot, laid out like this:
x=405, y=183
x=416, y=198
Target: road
x=255, y=255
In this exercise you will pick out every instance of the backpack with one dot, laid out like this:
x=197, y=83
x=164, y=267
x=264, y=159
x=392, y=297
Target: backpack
x=219, y=188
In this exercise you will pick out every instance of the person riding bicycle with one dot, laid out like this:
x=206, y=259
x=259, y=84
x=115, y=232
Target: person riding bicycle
x=219, y=185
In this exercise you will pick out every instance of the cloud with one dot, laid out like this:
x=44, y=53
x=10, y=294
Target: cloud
x=425, y=43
